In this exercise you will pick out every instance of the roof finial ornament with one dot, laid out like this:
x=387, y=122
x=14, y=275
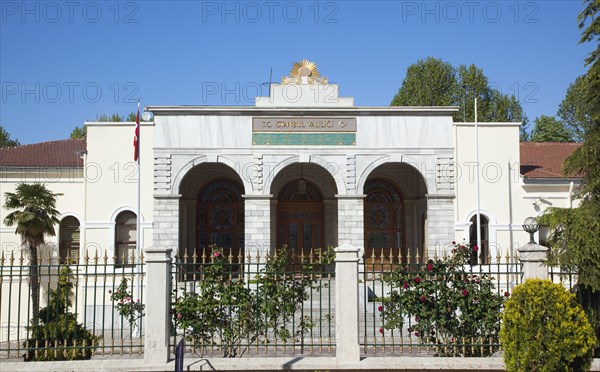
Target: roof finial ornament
x=304, y=72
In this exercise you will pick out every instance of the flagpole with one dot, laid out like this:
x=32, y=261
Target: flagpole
x=139, y=207
x=477, y=182
x=139, y=183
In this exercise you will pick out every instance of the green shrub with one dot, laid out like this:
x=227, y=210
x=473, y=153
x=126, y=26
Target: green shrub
x=229, y=313
x=445, y=305
x=59, y=336
x=544, y=329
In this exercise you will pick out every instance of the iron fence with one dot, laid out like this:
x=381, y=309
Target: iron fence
x=269, y=304
x=88, y=305
x=440, y=305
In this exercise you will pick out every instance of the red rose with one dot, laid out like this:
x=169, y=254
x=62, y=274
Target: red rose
x=506, y=294
x=429, y=267
x=423, y=298
x=465, y=292
x=417, y=319
x=405, y=285
x=453, y=242
x=475, y=248
x=417, y=280
x=417, y=333
x=381, y=330
x=380, y=308
x=217, y=254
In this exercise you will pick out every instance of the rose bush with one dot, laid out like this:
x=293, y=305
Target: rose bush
x=131, y=310
x=445, y=305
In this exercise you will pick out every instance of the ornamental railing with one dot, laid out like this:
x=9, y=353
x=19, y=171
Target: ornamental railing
x=88, y=305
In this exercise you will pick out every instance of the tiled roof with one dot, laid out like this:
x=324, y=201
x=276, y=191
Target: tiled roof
x=544, y=159
x=46, y=154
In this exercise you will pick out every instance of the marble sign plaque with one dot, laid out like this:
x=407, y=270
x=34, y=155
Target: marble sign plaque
x=303, y=124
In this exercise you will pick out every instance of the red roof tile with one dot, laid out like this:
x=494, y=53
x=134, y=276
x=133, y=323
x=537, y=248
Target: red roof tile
x=544, y=159
x=46, y=154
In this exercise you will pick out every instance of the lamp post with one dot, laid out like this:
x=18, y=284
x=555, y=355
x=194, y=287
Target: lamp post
x=531, y=225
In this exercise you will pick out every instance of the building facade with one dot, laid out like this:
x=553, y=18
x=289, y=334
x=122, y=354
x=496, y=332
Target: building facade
x=303, y=168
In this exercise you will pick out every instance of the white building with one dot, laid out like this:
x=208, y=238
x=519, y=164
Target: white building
x=304, y=167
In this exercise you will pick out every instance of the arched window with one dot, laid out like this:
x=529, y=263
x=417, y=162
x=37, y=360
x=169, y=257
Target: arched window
x=384, y=218
x=482, y=252
x=125, y=238
x=69, y=240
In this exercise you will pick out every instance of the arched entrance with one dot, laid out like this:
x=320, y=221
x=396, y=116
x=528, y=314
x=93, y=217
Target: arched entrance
x=220, y=216
x=395, y=214
x=300, y=217
x=303, y=209
x=211, y=211
x=384, y=219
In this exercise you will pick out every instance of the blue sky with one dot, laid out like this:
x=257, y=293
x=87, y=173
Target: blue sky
x=62, y=63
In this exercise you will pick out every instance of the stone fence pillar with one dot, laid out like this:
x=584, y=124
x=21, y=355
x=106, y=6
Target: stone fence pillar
x=158, y=298
x=532, y=256
x=346, y=304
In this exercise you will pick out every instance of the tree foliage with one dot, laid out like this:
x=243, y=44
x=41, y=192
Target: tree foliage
x=114, y=118
x=549, y=129
x=434, y=82
x=575, y=241
x=5, y=140
x=574, y=110
x=79, y=132
x=430, y=82
x=35, y=214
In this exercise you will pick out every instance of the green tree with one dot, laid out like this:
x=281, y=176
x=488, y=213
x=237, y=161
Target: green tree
x=79, y=132
x=434, y=82
x=109, y=118
x=5, y=140
x=35, y=215
x=549, y=129
x=574, y=110
x=575, y=241
x=429, y=82
x=116, y=117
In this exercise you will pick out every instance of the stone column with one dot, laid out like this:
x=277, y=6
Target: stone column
x=257, y=224
x=533, y=256
x=166, y=221
x=440, y=218
x=346, y=304
x=351, y=230
x=158, y=298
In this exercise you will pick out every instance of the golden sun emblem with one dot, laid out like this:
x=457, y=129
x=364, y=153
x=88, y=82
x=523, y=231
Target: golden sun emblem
x=304, y=69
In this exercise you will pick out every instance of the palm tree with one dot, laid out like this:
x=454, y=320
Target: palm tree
x=35, y=216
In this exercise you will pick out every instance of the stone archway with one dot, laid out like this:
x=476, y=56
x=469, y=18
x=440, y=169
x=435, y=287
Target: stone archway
x=394, y=206
x=304, y=208
x=211, y=210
